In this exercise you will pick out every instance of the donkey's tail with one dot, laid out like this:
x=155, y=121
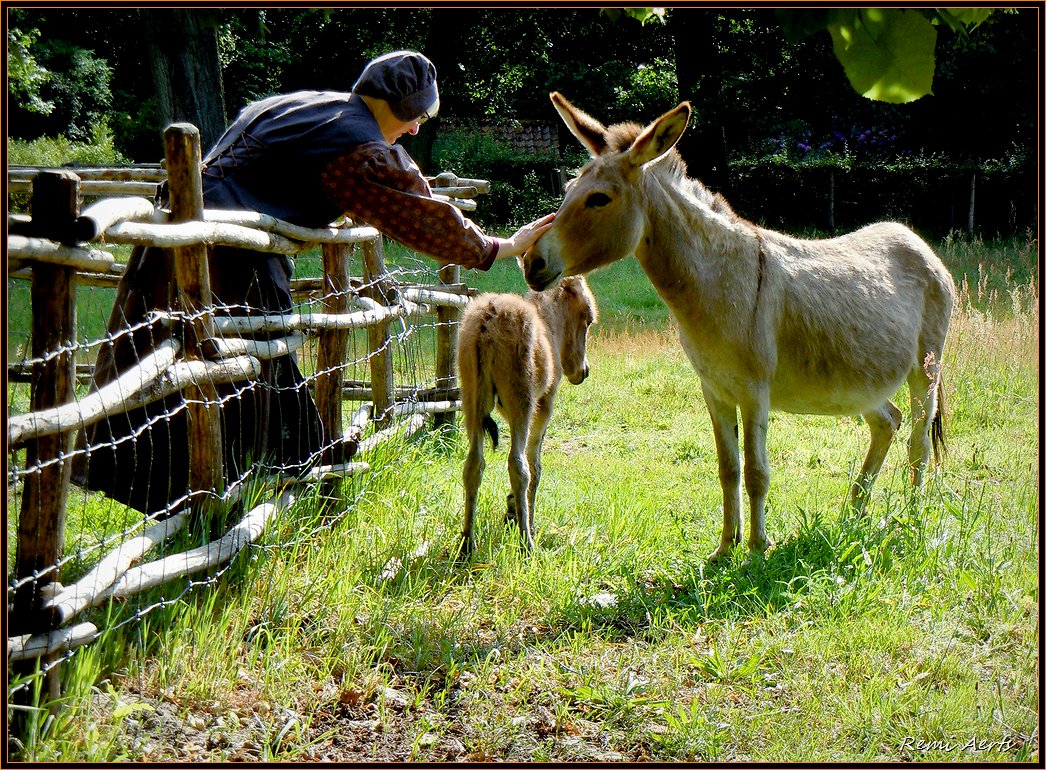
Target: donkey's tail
x=937, y=426
x=491, y=428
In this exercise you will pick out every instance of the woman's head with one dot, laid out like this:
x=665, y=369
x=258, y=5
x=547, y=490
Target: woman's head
x=406, y=81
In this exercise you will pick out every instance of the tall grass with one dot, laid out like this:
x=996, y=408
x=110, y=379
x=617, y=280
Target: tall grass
x=354, y=634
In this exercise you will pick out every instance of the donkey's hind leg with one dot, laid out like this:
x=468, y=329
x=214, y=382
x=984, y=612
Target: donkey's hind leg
x=472, y=476
x=754, y=419
x=519, y=474
x=882, y=424
x=922, y=386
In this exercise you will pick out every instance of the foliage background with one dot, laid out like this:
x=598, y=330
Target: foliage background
x=773, y=115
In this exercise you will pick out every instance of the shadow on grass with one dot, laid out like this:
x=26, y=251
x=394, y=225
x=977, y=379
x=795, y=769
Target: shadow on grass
x=826, y=570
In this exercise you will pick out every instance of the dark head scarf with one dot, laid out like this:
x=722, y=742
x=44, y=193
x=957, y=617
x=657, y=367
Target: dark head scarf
x=404, y=79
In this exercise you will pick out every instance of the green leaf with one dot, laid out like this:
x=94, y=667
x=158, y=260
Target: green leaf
x=887, y=53
x=126, y=709
x=970, y=17
x=959, y=20
x=642, y=15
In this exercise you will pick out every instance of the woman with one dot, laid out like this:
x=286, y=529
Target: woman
x=307, y=158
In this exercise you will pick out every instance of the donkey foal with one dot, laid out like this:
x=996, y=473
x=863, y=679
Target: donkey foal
x=512, y=353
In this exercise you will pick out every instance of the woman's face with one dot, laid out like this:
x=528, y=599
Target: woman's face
x=398, y=128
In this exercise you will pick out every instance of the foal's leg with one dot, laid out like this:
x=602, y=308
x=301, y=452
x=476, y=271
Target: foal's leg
x=538, y=426
x=519, y=473
x=923, y=390
x=724, y=428
x=472, y=475
x=882, y=423
x=754, y=418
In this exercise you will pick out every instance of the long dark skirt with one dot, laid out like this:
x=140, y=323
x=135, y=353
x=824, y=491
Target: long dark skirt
x=141, y=457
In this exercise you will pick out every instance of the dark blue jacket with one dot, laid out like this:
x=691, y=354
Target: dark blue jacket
x=270, y=159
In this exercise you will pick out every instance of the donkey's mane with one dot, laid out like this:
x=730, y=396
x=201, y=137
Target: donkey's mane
x=620, y=136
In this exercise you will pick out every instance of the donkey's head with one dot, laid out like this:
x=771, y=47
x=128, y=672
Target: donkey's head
x=602, y=217
x=570, y=309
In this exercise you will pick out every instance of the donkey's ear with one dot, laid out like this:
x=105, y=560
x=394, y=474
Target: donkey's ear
x=660, y=136
x=589, y=131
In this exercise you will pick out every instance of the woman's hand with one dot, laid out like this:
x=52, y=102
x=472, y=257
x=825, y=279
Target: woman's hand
x=524, y=237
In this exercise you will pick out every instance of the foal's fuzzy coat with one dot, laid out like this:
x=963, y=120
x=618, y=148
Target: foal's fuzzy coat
x=512, y=353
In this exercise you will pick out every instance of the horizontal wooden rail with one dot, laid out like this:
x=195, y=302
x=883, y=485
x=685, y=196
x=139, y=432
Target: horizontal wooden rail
x=94, y=587
x=194, y=233
x=435, y=297
x=216, y=347
x=142, y=172
x=27, y=647
x=97, y=187
x=138, y=387
x=195, y=560
x=20, y=247
x=71, y=600
x=406, y=428
x=229, y=325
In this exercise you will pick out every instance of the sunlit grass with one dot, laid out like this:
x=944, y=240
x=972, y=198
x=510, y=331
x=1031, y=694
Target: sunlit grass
x=896, y=636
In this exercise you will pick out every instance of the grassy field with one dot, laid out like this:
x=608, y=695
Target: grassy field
x=355, y=635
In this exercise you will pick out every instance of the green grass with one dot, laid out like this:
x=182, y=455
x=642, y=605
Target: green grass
x=900, y=635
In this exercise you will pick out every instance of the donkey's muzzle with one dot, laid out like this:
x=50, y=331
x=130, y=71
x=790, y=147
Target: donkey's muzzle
x=538, y=274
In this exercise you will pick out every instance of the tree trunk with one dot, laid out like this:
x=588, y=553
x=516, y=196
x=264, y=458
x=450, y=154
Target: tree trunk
x=447, y=43
x=183, y=52
x=969, y=213
x=831, y=201
x=698, y=69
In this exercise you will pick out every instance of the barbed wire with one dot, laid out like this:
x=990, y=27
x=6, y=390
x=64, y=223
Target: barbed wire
x=97, y=526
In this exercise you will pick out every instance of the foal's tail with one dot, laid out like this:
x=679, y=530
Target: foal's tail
x=937, y=426
x=491, y=428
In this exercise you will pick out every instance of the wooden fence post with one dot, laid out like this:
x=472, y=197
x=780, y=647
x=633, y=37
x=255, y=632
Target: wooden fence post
x=447, y=322
x=41, y=520
x=182, y=151
x=331, y=354
x=376, y=287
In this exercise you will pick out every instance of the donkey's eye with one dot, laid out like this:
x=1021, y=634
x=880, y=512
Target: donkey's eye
x=597, y=200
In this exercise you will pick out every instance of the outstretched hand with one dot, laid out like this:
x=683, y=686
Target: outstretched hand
x=524, y=237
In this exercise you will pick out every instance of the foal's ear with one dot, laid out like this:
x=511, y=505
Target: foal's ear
x=589, y=131
x=660, y=136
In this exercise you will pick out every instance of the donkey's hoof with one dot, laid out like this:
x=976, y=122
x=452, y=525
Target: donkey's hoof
x=466, y=547
x=721, y=554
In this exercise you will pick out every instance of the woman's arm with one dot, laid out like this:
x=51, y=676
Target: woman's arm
x=380, y=185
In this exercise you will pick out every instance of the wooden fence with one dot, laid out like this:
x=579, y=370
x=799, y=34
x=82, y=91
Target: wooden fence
x=59, y=248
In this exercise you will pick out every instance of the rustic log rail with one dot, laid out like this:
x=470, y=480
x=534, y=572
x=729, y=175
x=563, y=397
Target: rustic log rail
x=58, y=249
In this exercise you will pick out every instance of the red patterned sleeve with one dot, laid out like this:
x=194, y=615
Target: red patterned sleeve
x=380, y=185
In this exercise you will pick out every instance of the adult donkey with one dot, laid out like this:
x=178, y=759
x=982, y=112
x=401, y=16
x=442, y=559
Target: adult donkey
x=768, y=321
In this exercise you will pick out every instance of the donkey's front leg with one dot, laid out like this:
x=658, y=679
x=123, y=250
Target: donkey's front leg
x=472, y=476
x=755, y=417
x=519, y=477
x=724, y=428
x=538, y=427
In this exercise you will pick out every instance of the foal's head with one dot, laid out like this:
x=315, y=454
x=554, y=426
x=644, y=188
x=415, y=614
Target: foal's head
x=573, y=306
x=602, y=217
